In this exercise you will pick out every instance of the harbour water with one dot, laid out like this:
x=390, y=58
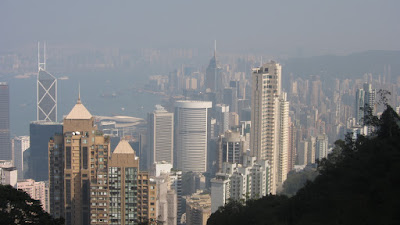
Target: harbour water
x=103, y=93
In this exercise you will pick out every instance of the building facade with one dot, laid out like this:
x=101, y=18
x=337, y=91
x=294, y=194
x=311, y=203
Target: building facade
x=88, y=184
x=231, y=148
x=78, y=162
x=46, y=96
x=240, y=182
x=8, y=173
x=5, y=142
x=40, y=133
x=266, y=88
x=160, y=136
x=192, y=132
x=282, y=139
x=19, y=146
x=198, y=209
x=132, y=195
x=37, y=191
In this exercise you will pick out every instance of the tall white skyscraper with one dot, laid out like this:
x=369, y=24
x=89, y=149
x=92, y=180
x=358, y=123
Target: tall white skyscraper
x=370, y=97
x=282, y=140
x=266, y=88
x=192, y=131
x=360, y=101
x=161, y=136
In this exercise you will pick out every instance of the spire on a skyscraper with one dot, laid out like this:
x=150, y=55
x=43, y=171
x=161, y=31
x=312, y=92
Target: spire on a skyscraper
x=79, y=93
x=215, y=49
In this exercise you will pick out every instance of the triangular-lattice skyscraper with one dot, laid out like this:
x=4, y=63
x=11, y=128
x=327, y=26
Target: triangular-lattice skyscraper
x=46, y=92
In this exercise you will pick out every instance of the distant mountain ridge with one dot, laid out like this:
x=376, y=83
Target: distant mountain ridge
x=352, y=66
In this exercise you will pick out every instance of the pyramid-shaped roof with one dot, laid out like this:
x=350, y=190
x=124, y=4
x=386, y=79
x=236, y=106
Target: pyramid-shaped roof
x=79, y=112
x=123, y=147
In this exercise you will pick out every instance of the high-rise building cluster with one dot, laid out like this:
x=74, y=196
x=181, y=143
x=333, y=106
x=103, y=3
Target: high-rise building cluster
x=227, y=132
x=89, y=184
x=240, y=182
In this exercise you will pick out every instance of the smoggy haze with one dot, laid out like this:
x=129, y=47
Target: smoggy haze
x=272, y=27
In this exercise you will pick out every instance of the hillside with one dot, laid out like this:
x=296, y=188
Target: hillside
x=358, y=184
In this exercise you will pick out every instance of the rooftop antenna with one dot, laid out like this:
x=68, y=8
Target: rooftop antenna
x=44, y=55
x=215, y=48
x=41, y=65
x=79, y=93
x=261, y=61
x=38, y=55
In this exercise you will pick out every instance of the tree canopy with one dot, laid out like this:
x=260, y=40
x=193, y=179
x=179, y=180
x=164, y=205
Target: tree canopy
x=358, y=184
x=17, y=207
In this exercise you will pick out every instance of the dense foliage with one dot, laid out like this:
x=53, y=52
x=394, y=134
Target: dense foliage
x=17, y=207
x=296, y=180
x=358, y=184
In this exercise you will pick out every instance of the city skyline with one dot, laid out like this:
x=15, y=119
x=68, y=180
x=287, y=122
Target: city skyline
x=171, y=131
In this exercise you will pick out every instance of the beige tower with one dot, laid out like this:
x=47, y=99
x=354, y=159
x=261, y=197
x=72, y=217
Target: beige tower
x=132, y=194
x=78, y=162
x=282, y=139
x=266, y=87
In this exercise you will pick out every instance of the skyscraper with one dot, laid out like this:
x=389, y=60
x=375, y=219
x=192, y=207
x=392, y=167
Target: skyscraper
x=46, y=91
x=19, y=145
x=40, y=133
x=222, y=116
x=370, y=97
x=359, y=112
x=88, y=184
x=292, y=146
x=78, y=161
x=132, y=196
x=231, y=148
x=266, y=85
x=192, y=132
x=161, y=136
x=282, y=139
x=213, y=79
x=46, y=96
x=5, y=142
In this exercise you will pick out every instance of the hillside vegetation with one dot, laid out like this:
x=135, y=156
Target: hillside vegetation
x=358, y=184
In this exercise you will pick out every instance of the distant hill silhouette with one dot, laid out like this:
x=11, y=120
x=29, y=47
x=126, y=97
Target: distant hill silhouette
x=359, y=183
x=348, y=66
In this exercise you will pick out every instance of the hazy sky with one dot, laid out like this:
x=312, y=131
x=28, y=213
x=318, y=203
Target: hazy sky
x=270, y=27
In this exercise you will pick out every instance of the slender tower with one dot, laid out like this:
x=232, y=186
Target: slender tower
x=213, y=76
x=5, y=142
x=266, y=84
x=161, y=136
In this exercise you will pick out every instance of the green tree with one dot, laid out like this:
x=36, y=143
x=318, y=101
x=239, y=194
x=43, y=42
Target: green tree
x=17, y=207
x=357, y=184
